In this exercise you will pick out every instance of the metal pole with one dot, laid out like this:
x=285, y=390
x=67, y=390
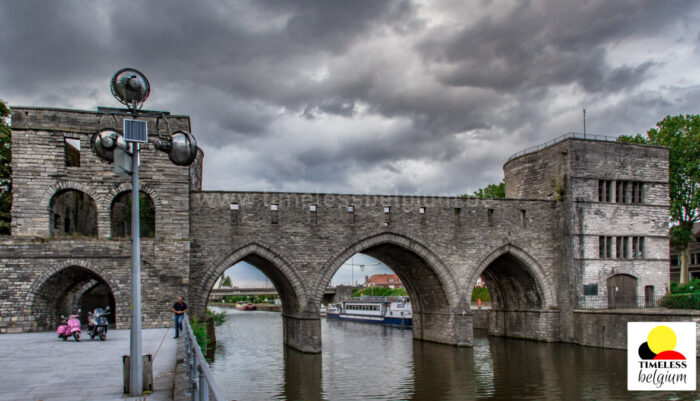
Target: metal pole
x=136, y=363
x=584, y=123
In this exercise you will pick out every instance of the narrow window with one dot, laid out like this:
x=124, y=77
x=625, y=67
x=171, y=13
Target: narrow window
x=351, y=214
x=490, y=217
x=72, y=151
x=625, y=247
x=387, y=215
x=312, y=214
x=618, y=191
x=618, y=247
x=387, y=209
x=235, y=216
x=421, y=210
x=637, y=247
x=275, y=218
x=604, y=189
x=605, y=247
x=523, y=218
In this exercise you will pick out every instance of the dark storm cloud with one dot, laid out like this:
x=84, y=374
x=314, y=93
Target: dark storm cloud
x=549, y=43
x=356, y=96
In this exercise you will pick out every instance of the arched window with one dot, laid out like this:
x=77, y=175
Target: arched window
x=72, y=213
x=121, y=215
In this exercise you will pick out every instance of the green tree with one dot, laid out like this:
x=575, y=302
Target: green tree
x=5, y=171
x=491, y=191
x=226, y=282
x=681, y=134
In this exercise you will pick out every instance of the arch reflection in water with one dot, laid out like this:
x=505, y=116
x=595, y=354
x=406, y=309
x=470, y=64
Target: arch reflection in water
x=368, y=362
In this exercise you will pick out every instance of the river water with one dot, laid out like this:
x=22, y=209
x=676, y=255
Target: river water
x=371, y=362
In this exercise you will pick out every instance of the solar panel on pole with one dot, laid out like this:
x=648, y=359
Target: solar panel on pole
x=135, y=131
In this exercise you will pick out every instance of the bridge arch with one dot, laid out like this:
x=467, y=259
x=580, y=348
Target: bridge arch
x=516, y=279
x=283, y=277
x=430, y=283
x=61, y=288
x=523, y=297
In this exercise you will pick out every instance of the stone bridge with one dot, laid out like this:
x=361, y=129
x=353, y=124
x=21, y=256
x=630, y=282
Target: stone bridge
x=580, y=216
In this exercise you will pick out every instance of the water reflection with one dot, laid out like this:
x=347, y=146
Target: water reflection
x=442, y=372
x=367, y=362
x=302, y=376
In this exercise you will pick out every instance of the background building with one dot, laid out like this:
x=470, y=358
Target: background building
x=694, y=265
x=383, y=280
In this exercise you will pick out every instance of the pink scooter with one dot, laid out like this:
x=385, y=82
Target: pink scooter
x=69, y=327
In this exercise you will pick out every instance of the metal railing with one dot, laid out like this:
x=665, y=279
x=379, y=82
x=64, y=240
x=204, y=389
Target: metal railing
x=619, y=302
x=202, y=384
x=569, y=135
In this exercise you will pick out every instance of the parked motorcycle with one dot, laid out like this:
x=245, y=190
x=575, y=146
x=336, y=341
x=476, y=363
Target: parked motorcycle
x=97, y=323
x=70, y=326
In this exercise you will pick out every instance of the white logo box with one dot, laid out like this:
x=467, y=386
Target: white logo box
x=659, y=375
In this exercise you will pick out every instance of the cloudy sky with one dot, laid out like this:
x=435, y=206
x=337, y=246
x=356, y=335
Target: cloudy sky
x=364, y=96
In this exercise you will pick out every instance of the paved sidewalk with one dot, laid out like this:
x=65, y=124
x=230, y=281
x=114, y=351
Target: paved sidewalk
x=39, y=366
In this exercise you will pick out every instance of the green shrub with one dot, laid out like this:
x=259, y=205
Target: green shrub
x=232, y=299
x=681, y=301
x=219, y=317
x=200, y=332
x=380, y=292
x=481, y=293
x=693, y=287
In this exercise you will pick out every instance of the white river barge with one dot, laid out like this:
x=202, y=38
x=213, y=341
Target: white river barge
x=391, y=311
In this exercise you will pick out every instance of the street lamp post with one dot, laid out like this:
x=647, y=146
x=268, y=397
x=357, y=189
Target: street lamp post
x=135, y=360
x=131, y=88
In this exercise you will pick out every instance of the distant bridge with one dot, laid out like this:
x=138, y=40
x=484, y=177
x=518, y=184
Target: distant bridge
x=329, y=295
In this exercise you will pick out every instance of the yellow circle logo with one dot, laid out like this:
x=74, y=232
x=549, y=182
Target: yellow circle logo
x=661, y=338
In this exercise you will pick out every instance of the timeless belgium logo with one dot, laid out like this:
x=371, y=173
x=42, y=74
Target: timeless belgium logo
x=661, y=355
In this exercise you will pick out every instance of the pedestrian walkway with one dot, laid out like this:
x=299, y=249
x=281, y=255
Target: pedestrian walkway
x=39, y=366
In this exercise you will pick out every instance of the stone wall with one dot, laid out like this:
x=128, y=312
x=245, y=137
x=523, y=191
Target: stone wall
x=573, y=171
x=535, y=250
x=27, y=264
x=39, y=171
x=608, y=328
x=32, y=257
x=437, y=246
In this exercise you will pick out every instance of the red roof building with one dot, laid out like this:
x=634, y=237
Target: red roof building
x=383, y=280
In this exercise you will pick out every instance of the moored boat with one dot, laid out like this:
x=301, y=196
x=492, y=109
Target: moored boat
x=241, y=305
x=378, y=310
